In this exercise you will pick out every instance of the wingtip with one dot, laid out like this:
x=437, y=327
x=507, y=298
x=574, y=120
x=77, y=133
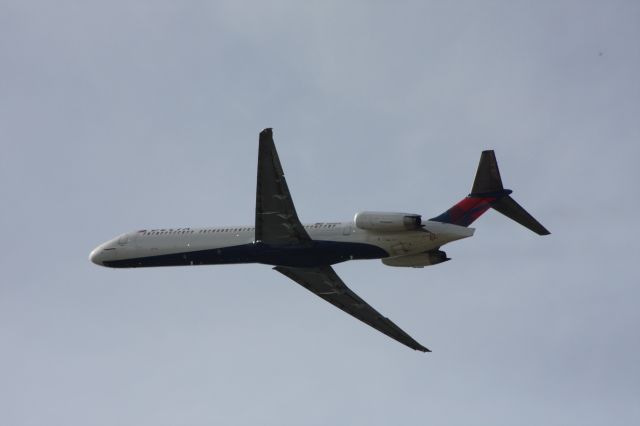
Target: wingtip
x=541, y=230
x=266, y=137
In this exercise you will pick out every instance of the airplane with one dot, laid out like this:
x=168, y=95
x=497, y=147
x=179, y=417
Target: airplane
x=306, y=252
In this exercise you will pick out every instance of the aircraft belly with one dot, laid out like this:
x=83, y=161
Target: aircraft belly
x=208, y=256
x=313, y=253
x=318, y=253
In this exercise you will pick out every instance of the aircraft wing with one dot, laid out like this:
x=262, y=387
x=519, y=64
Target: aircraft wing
x=324, y=282
x=276, y=218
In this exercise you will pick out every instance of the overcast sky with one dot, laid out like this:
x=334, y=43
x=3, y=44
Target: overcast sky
x=122, y=115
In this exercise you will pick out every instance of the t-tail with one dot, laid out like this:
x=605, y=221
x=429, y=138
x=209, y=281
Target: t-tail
x=488, y=192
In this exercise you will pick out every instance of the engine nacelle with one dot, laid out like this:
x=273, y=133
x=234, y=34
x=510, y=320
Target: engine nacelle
x=388, y=222
x=420, y=260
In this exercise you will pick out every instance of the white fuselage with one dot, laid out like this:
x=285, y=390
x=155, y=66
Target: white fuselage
x=156, y=243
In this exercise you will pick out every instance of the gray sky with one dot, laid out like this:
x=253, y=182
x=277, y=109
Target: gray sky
x=117, y=115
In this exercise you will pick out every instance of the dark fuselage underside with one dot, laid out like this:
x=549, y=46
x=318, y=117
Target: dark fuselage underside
x=310, y=254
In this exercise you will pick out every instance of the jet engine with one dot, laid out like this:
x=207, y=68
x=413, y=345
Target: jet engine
x=420, y=260
x=388, y=222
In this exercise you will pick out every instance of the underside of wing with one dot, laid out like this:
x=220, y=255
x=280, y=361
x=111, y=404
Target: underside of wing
x=276, y=218
x=324, y=282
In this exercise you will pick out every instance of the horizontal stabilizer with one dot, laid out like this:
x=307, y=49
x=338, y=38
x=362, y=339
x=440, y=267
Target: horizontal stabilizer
x=510, y=208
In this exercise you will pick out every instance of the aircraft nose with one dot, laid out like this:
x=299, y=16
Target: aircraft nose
x=95, y=256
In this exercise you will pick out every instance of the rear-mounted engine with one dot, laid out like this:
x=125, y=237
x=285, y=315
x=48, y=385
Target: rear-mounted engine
x=419, y=260
x=388, y=222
